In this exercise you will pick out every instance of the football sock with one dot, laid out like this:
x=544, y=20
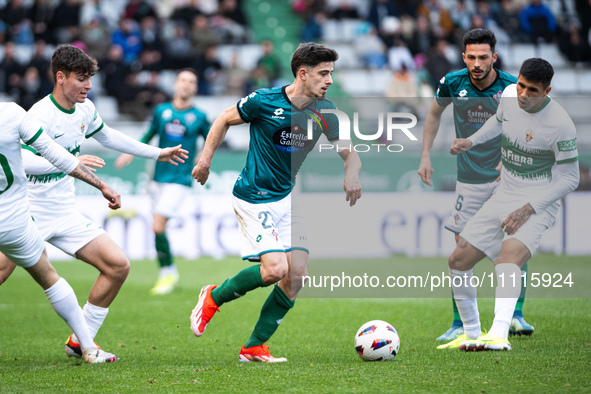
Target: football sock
x=244, y=281
x=457, y=319
x=465, y=296
x=168, y=270
x=274, y=309
x=519, y=306
x=64, y=302
x=95, y=316
x=163, y=250
x=506, y=294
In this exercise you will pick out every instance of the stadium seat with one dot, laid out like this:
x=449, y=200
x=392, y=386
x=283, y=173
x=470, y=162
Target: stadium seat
x=522, y=52
x=248, y=55
x=565, y=82
x=551, y=53
x=106, y=107
x=347, y=56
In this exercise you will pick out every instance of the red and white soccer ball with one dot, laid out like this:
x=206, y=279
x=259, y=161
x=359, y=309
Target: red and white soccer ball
x=377, y=340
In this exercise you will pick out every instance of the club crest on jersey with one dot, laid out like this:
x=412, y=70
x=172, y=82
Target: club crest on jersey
x=529, y=135
x=82, y=127
x=498, y=96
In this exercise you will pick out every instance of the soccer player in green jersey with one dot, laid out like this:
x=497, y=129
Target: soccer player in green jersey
x=175, y=122
x=262, y=194
x=475, y=92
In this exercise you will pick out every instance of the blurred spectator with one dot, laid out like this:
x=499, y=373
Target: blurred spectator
x=11, y=69
x=258, y=79
x=138, y=10
x=423, y=38
x=230, y=22
x=312, y=30
x=573, y=46
x=114, y=71
x=378, y=10
x=138, y=99
x=399, y=56
x=202, y=35
x=403, y=84
x=538, y=22
x=440, y=18
x=150, y=33
x=97, y=9
x=41, y=15
x=583, y=8
x=97, y=38
x=178, y=48
x=369, y=47
x=128, y=37
x=151, y=60
x=208, y=68
x=66, y=21
x=460, y=15
x=269, y=61
x=41, y=62
x=507, y=18
x=438, y=63
x=345, y=9
x=236, y=77
x=187, y=13
x=31, y=88
x=18, y=27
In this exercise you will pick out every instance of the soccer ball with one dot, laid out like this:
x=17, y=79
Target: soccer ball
x=377, y=340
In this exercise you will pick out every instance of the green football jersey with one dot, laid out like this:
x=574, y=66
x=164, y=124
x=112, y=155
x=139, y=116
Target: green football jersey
x=175, y=127
x=278, y=142
x=473, y=107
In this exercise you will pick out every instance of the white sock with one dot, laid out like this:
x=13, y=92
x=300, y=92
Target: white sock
x=168, y=270
x=506, y=295
x=64, y=302
x=465, y=296
x=95, y=316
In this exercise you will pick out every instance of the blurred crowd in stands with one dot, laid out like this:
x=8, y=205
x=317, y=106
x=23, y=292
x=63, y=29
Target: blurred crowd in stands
x=135, y=40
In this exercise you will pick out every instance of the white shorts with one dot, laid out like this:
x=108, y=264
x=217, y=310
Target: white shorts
x=484, y=231
x=69, y=232
x=469, y=199
x=268, y=227
x=23, y=245
x=167, y=198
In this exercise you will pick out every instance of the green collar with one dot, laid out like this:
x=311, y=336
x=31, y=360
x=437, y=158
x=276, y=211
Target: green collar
x=67, y=111
x=541, y=107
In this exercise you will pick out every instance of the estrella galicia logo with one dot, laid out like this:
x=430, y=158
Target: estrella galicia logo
x=291, y=139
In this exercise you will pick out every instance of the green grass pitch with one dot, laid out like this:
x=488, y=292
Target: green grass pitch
x=159, y=353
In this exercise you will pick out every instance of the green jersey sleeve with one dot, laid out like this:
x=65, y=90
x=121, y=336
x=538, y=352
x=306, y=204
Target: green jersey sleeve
x=443, y=95
x=249, y=107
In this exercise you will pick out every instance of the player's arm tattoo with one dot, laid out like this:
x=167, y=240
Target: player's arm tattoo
x=84, y=174
x=522, y=214
x=462, y=243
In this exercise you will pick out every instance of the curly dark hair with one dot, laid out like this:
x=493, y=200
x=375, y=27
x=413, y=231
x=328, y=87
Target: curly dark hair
x=68, y=58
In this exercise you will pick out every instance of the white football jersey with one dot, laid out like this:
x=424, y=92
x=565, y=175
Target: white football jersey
x=533, y=143
x=69, y=128
x=17, y=126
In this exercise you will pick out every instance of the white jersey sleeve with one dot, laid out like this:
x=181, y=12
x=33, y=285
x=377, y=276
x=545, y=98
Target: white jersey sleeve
x=111, y=138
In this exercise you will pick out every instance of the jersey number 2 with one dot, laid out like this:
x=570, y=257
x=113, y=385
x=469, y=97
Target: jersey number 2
x=6, y=175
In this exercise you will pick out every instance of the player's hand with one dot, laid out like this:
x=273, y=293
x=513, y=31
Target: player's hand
x=91, y=162
x=517, y=218
x=112, y=196
x=173, y=155
x=201, y=172
x=123, y=160
x=352, y=188
x=460, y=145
x=499, y=167
x=425, y=170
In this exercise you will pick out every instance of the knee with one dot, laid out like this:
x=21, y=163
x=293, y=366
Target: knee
x=119, y=266
x=455, y=260
x=273, y=273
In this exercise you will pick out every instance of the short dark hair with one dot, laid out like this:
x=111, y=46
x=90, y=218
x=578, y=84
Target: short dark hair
x=310, y=54
x=480, y=36
x=188, y=69
x=537, y=70
x=68, y=58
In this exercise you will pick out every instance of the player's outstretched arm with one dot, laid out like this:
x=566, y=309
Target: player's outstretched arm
x=432, y=123
x=352, y=185
x=173, y=155
x=38, y=165
x=215, y=137
x=460, y=145
x=123, y=160
x=67, y=163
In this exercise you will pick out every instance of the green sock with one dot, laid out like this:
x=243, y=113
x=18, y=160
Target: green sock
x=163, y=250
x=244, y=281
x=457, y=317
x=519, y=305
x=272, y=313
